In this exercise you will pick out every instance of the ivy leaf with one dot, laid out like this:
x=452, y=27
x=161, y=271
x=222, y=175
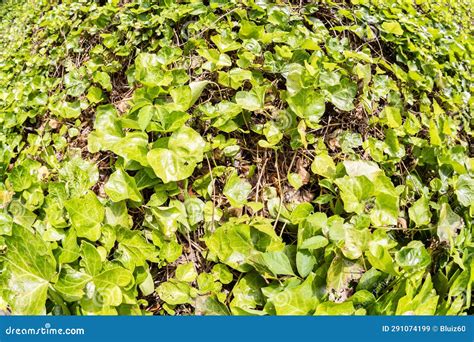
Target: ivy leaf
x=336, y=309
x=186, y=272
x=103, y=79
x=31, y=267
x=247, y=293
x=187, y=144
x=237, y=190
x=71, y=283
x=341, y=273
x=355, y=168
x=87, y=214
x=133, y=249
x=449, y=224
x=221, y=272
x=107, y=129
x=134, y=146
x=251, y=100
x=121, y=186
x=232, y=244
x=314, y=242
x=355, y=191
x=275, y=262
x=296, y=300
x=20, y=178
x=343, y=94
x=75, y=82
x=413, y=256
x=91, y=260
x=305, y=262
x=464, y=189
x=65, y=109
x=420, y=213
x=323, y=165
x=392, y=27
x=108, y=285
x=6, y=224
x=184, y=97
x=393, y=116
x=178, y=161
x=168, y=165
x=150, y=72
x=307, y=104
x=175, y=292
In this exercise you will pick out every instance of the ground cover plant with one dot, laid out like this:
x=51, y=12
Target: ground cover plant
x=236, y=157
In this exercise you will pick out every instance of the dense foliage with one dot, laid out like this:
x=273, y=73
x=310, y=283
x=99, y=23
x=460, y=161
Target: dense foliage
x=236, y=157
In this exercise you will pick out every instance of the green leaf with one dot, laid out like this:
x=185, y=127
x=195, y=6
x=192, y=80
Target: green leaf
x=87, y=214
x=187, y=144
x=65, y=109
x=134, y=146
x=6, y=224
x=31, y=267
x=413, y=256
x=423, y=303
x=184, y=97
x=162, y=118
x=169, y=166
x=178, y=161
x=361, y=168
x=108, y=285
x=237, y=190
x=464, y=189
x=71, y=284
x=121, y=186
x=186, y=272
x=314, y=242
x=251, y=100
x=380, y=258
x=393, y=116
x=295, y=180
x=70, y=249
x=307, y=104
x=210, y=305
x=134, y=249
x=20, y=178
x=174, y=292
x=234, y=243
x=355, y=191
x=335, y=309
x=21, y=215
x=323, y=165
x=305, y=262
x=221, y=273
x=392, y=27
x=449, y=224
x=91, y=260
x=275, y=262
x=296, y=300
x=103, y=79
x=247, y=293
x=343, y=94
x=75, y=82
x=149, y=70
x=420, y=213
x=107, y=129
x=340, y=274
x=385, y=212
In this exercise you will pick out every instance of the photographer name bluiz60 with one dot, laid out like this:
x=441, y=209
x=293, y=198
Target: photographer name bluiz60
x=452, y=328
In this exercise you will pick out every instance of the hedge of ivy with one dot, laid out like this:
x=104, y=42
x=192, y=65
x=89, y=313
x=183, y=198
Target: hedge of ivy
x=236, y=157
